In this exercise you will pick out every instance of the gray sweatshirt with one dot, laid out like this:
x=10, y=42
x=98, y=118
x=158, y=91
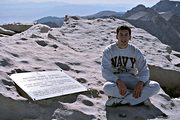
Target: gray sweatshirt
x=118, y=62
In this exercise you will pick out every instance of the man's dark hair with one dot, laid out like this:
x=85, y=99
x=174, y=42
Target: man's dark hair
x=123, y=27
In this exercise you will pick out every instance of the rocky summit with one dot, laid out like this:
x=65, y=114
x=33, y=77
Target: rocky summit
x=76, y=48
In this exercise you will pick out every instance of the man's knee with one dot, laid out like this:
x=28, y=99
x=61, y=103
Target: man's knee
x=107, y=87
x=155, y=86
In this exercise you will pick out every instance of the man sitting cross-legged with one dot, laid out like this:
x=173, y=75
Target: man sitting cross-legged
x=126, y=71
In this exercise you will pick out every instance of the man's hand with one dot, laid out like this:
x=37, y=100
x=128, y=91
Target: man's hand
x=138, y=89
x=122, y=87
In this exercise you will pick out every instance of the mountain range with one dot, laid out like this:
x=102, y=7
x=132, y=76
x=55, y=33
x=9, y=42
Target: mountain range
x=161, y=20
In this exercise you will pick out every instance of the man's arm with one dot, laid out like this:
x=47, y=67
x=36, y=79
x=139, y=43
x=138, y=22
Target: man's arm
x=108, y=74
x=143, y=74
x=143, y=70
x=106, y=67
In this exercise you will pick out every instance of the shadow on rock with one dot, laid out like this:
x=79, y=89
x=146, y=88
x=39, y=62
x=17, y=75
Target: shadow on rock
x=141, y=112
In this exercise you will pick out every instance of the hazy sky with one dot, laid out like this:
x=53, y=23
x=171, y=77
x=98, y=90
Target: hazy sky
x=30, y=10
x=133, y=2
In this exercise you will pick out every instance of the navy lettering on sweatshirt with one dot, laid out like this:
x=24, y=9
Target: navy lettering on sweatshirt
x=120, y=63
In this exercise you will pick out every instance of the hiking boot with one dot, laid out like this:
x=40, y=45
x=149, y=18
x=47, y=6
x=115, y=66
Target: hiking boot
x=147, y=102
x=113, y=102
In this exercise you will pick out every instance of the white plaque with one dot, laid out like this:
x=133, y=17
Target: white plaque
x=42, y=85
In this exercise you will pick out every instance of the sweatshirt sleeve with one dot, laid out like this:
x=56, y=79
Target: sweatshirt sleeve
x=106, y=67
x=143, y=70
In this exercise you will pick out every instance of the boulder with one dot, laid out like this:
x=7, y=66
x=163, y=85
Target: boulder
x=17, y=27
x=6, y=32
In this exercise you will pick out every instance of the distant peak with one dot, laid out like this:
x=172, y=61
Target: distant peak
x=139, y=7
x=134, y=10
x=166, y=5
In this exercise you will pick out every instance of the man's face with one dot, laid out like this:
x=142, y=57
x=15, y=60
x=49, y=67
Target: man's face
x=123, y=38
